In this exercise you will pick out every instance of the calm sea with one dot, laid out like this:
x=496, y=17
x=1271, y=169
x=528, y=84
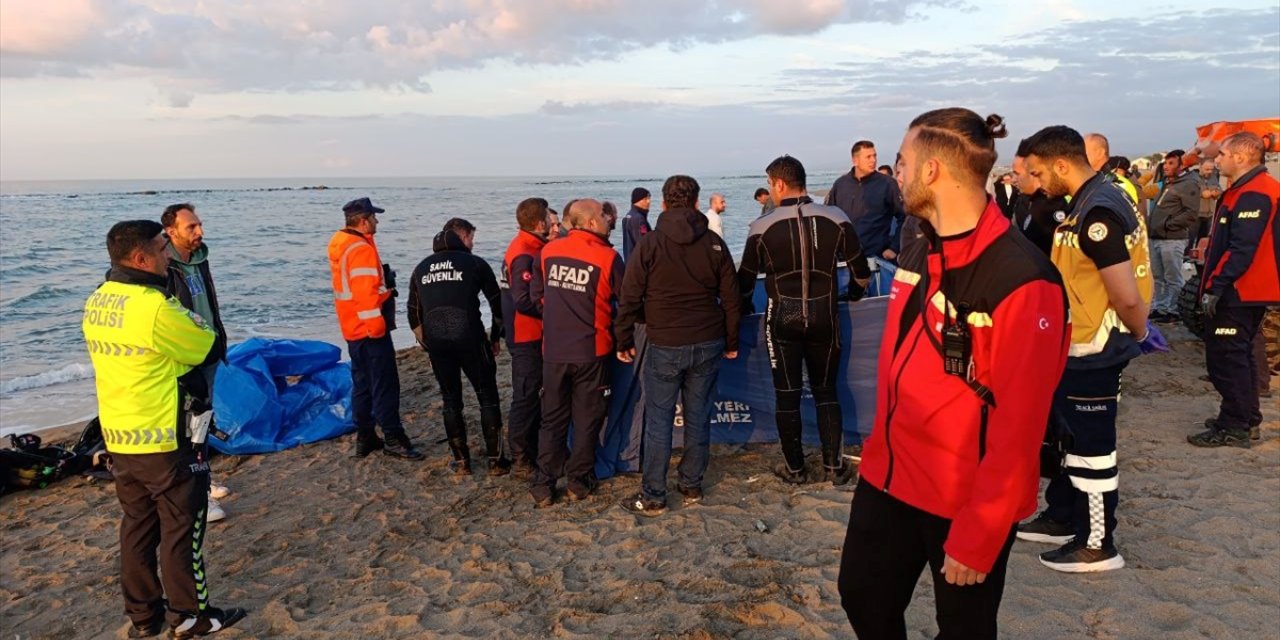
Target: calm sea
x=267, y=241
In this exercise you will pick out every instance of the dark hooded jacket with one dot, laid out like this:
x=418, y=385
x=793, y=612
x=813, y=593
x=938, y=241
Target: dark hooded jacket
x=680, y=280
x=444, y=296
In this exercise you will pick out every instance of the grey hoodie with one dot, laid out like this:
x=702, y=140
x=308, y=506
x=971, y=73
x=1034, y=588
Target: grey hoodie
x=1175, y=212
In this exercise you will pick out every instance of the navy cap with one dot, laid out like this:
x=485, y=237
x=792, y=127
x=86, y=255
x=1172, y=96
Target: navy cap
x=638, y=194
x=361, y=205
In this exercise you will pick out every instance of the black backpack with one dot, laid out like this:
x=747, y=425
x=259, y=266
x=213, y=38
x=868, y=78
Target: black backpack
x=28, y=465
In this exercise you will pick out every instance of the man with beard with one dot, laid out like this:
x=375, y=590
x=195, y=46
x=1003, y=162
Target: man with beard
x=1241, y=278
x=191, y=282
x=975, y=339
x=1035, y=214
x=1101, y=252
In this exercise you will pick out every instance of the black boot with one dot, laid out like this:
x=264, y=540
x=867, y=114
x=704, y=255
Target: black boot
x=499, y=466
x=837, y=470
x=461, y=463
x=399, y=446
x=367, y=441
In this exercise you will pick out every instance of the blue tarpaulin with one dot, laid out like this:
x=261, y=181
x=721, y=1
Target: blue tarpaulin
x=275, y=394
x=744, y=396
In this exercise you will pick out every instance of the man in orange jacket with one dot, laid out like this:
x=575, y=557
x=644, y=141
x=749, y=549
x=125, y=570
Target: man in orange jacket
x=366, y=313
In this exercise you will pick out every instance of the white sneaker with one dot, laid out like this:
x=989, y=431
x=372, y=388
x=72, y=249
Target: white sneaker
x=214, y=511
x=218, y=491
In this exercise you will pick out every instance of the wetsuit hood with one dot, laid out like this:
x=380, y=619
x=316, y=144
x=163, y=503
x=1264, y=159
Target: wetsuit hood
x=683, y=226
x=448, y=241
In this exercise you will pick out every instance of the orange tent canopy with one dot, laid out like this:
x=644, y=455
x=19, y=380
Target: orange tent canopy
x=1210, y=135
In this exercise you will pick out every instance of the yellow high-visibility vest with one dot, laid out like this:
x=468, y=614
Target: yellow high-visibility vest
x=141, y=340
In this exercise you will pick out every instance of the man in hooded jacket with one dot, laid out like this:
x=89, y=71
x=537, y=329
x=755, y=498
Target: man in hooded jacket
x=444, y=314
x=681, y=281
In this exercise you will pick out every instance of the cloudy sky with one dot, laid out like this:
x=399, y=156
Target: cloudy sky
x=315, y=88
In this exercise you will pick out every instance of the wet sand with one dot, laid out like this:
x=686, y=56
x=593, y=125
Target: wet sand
x=318, y=545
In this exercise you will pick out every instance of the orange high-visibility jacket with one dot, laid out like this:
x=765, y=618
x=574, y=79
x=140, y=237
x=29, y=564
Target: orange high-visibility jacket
x=358, y=287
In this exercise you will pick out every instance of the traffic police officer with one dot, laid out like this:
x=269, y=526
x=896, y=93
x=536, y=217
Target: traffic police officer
x=145, y=349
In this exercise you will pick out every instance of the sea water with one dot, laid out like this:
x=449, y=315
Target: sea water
x=267, y=243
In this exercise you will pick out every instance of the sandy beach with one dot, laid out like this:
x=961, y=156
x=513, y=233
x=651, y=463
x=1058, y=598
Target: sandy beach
x=318, y=545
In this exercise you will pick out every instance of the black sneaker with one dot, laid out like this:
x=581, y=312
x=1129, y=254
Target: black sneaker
x=1075, y=557
x=642, y=506
x=366, y=446
x=1221, y=438
x=147, y=629
x=787, y=475
x=692, y=495
x=401, y=447
x=1045, y=529
x=209, y=622
x=1255, y=431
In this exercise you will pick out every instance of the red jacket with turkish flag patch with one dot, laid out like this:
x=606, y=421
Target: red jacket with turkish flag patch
x=966, y=448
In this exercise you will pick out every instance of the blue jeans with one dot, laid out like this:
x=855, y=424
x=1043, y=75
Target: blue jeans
x=1166, y=272
x=687, y=372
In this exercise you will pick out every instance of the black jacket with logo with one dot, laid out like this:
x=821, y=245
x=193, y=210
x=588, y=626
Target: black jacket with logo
x=680, y=280
x=444, y=302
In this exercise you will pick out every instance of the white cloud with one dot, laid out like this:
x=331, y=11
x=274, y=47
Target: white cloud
x=194, y=46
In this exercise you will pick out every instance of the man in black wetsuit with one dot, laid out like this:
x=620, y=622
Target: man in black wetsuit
x=797, y=247
x=444, y=313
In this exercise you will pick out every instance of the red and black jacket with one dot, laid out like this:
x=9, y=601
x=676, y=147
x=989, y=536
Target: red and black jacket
x=968, y=449
x=1244, y=243
x=578, y=286
x=520, y=309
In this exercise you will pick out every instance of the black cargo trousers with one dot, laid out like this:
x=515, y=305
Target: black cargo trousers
x=165, y=497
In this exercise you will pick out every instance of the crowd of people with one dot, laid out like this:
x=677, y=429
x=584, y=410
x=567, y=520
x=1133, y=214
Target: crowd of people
x=1011, y=317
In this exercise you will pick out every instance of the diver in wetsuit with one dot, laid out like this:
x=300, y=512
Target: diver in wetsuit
x=797, y=247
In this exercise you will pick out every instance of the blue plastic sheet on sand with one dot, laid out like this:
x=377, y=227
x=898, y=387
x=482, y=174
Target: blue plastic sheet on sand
x=744, y=397
x=271, y=395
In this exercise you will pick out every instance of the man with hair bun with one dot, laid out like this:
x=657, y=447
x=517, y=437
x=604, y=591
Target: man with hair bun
x=1101, y=251
x=975, y=340
x=1241, y=278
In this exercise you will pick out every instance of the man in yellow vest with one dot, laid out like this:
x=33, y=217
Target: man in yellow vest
x=143, y=345
x=1101, y=251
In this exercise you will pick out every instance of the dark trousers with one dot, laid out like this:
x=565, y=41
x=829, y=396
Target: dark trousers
x=687, y=373
x=577, y=392
x=1086, y=492
x=791, y=354
x=450, y=362
x=887, y=545
x=1231, y=359
x=524, y=420
x=164, y=497
x=375, y=391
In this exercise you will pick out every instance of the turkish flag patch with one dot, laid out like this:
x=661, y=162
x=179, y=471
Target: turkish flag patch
x=526, y=276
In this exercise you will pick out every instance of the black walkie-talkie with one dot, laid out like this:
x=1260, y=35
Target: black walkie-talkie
x=957, y=348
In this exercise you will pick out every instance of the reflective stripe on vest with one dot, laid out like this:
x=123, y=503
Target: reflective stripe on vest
x=345, y=276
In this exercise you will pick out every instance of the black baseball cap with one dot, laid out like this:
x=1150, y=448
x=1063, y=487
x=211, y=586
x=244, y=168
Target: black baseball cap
x=361, y=205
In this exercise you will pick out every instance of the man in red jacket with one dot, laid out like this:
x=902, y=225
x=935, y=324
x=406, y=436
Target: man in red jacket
x=1242, y=277
x=523, y=315
x=975, y=340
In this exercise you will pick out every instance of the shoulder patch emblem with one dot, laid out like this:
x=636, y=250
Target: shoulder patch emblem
x=1059, y=216
x=196, y=318
x=1097, y=232
x=526, y=276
